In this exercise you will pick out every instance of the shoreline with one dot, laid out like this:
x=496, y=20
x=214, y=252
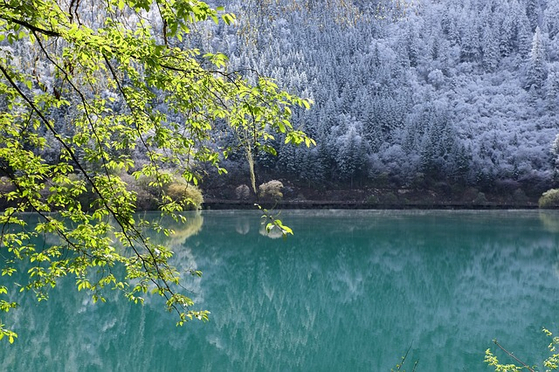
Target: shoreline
x=322, y=204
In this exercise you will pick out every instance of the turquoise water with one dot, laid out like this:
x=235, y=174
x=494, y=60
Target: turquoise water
x=351, y=291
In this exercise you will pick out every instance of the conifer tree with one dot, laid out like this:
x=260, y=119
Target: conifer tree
x=533, y=13
x=551, y=19
x=536, y=70
x=490, y=50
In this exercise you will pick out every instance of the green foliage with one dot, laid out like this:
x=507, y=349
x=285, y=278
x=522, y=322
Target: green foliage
x=551, y=363
x=273, y=226
x=492, y=361
x=62, y=72
x=549, y=199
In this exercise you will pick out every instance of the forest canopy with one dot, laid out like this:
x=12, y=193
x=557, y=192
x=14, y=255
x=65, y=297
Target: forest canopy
x=93, y=95
x=409, y=94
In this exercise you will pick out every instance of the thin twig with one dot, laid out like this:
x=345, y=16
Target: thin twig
x=513, y=356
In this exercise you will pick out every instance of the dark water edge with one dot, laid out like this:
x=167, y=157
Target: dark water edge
x=213, y=204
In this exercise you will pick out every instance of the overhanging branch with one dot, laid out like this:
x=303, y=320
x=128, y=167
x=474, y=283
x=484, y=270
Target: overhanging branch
x=32, y=27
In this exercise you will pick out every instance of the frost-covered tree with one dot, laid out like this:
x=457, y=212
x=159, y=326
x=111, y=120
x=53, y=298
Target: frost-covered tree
x=552, y=89
x=551, y=19
x=490, y=48
x=381, y=71
x=536, y=72
x=533, y=13
x=470, y=42
x=350, y=149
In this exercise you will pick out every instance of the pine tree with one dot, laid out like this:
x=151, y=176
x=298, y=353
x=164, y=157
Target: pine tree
x=551, y=19
x=490, y=50
x=469, y=41
x=536, y=71
x=351, y=155
x=413, y=46
x=552, y=91
x=523, y=35
x=506, y=36
x=533, y=13
x=372, y=132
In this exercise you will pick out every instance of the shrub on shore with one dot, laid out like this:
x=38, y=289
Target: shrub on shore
x=188, y=195
x=149, y=194
x=242, y=192
x=549, y=199
x=271, y=190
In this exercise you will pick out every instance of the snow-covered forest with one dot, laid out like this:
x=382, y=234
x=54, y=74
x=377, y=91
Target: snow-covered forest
x=407, y=94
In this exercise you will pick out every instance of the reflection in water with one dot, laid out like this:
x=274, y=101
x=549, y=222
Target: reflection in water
x=273, y=233
x=550, y=219
x=242, y=225
x=183, y=258
x=350, y=291
x=181, y=230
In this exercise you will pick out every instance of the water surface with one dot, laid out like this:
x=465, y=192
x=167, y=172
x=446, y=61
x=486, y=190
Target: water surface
x=351, y=291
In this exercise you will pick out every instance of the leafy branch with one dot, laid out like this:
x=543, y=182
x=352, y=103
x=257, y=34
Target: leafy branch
x=172, y=97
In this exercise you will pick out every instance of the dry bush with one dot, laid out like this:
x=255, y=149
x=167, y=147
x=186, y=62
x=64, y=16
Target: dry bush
x=271, y=190
x=149, y=195
x=242, y=192
x=6, y=185
x=188, y=195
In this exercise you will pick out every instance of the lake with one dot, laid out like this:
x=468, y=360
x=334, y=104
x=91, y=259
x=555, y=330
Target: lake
x=350, y=291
